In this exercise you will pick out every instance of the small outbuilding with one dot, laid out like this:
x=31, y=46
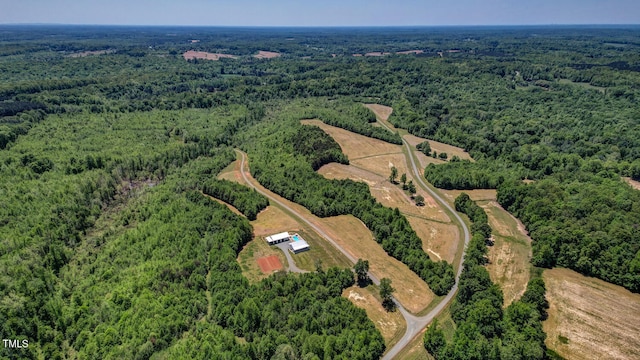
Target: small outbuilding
x=278, y=238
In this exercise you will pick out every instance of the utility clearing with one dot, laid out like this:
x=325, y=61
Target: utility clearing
x=590, y=318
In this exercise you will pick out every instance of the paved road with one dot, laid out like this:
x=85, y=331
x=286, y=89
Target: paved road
x=292, y=265
x=415, y=324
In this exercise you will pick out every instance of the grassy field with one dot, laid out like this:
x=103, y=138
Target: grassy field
x=258, y=248
x=509, y=257
x=354, y=145
x=353, y=236
x=388, y=194
x=439, y=147
x=590, y=318
x=439, y=240
x=475, y=195
x=390, y=324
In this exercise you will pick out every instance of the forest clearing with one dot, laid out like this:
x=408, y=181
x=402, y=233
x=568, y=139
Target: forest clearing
x=590, y=318
x=203, y=55
x=509, y=257
x=266, y=55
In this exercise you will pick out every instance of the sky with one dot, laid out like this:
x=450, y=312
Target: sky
x=320, y=12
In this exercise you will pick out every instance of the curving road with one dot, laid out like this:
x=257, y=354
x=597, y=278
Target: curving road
x=415, y=324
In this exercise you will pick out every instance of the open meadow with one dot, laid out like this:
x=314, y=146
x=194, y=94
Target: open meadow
x=590, y=318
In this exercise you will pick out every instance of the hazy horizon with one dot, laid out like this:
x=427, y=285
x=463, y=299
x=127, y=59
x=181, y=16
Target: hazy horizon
x=330, y=13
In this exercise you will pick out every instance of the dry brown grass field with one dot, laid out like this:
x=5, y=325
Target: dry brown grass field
x=425, y=160
x=509, y=257
x=353, y=236
x=387, y=194
x=590, y=318
x=202, y=55
x=439, y=147
x=353, y=145
x=439, y=240
x=475, y=195
x=634, y=184
x=266, y=55
x=390, y=324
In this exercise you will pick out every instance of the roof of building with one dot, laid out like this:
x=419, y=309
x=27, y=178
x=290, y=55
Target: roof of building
x=299, y=245
x=278, y=237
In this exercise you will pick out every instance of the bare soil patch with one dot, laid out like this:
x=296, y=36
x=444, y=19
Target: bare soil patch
x=269, y=264
x=190, y=55
x=439, y=240
x=353, y=236
x=389, y=195
x=377, y=53
x=634, y=184
x=439, y=147
x=590, y=318
x=407, y=52
x=390, y=324
x=355, y=146
x=266, y=55
x=89, y=53
x=509, y=267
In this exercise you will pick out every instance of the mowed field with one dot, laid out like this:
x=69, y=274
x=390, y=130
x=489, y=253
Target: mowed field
x=509, y=258
x=270, y=221
x=439, y=240
x=590, y=318
x=353, y=236
x=390, y=324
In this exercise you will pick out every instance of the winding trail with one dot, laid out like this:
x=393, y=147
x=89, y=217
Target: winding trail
x=415, y=324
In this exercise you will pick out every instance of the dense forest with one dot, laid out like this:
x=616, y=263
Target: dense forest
x=109, y=140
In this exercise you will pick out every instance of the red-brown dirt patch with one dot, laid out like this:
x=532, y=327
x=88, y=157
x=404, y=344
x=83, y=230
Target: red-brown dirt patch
x=202, y=55
x=266, y=55
x=269, y=264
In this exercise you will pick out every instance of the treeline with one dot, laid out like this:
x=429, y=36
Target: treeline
x=248, y=201
x=350, y=116
x=483, y=329
x=320, y=149
x=466, y=175
x=291, y=175
x=581, y=221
